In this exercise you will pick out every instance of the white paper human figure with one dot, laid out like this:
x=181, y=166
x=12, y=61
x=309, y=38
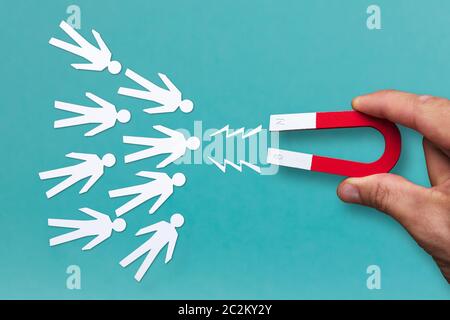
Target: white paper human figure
x=92, y=167
x=170, y=99
x=165, y=234
x=106, y=116
x=175, y=145
x=99, y=58
x=101, y=227
x=161, y=186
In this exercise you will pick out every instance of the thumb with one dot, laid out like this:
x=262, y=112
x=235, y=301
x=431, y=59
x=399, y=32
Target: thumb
x=389, y=193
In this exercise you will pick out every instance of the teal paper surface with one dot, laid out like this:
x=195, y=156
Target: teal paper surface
x=250, y=236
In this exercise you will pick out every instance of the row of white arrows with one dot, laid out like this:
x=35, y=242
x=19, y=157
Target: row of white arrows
x=92, y=166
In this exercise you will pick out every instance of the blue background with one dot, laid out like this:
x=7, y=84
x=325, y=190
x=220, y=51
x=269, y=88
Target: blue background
x=245, y=236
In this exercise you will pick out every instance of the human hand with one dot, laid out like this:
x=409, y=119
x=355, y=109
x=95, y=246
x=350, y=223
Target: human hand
x=423, y=212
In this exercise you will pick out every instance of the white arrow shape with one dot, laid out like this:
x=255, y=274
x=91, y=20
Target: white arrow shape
x=238, y=167
x=229, y=134
x=99, y=58
x=170, y=99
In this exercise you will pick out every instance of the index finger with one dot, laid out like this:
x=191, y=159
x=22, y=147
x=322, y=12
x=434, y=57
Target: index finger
x=426, y=114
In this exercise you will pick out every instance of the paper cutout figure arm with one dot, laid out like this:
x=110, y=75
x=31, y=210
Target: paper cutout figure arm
x=135, y=93
x=96, y=241
x=160, y=109
x=166, y=131
x=94, y=214
x=80, y=156
x=100, y=101
x=148, y=229
x=87, y=66
x=170, y=85
x=147, y=84
x=92, y=180
x=101, y=227
x=151, y=175
x=102, y=45
x=171, y=248
x=100, y=128
x=171, y=158
x=99, y=58
x=158, y=203
x=136, y=254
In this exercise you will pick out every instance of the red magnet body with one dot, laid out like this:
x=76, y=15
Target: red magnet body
x=332, y=120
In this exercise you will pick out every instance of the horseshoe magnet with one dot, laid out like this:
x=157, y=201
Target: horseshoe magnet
x=332, y=120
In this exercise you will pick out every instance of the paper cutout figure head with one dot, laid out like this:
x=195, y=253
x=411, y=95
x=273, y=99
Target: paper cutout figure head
x=178, y=179
x=119, y=225
x=108, y=160
x=123, y=116
x=177, y=220
x=114, y=67
x=186, y=106
x=193, y=143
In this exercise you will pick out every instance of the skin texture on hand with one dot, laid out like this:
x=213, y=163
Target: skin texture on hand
x=423, y=212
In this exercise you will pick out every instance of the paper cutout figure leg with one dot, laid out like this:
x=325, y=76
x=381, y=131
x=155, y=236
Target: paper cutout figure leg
x=170, y=99
x=101, y=227
x=92, y=167
x=175, y=145
x=161, y=186
x=165, y=233
x=106, y=116
x=99, y=58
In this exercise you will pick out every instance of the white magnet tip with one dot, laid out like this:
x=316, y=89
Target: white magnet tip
x=295, y=121
x=290, y=159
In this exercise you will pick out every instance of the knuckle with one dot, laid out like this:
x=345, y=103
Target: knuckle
x=441, y=194
x=380, y=197
x=431, y=103
x=426, y=100
x=428, y=111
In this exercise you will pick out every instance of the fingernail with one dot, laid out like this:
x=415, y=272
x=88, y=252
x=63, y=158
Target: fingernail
x=356, y=101
x=349, y=193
